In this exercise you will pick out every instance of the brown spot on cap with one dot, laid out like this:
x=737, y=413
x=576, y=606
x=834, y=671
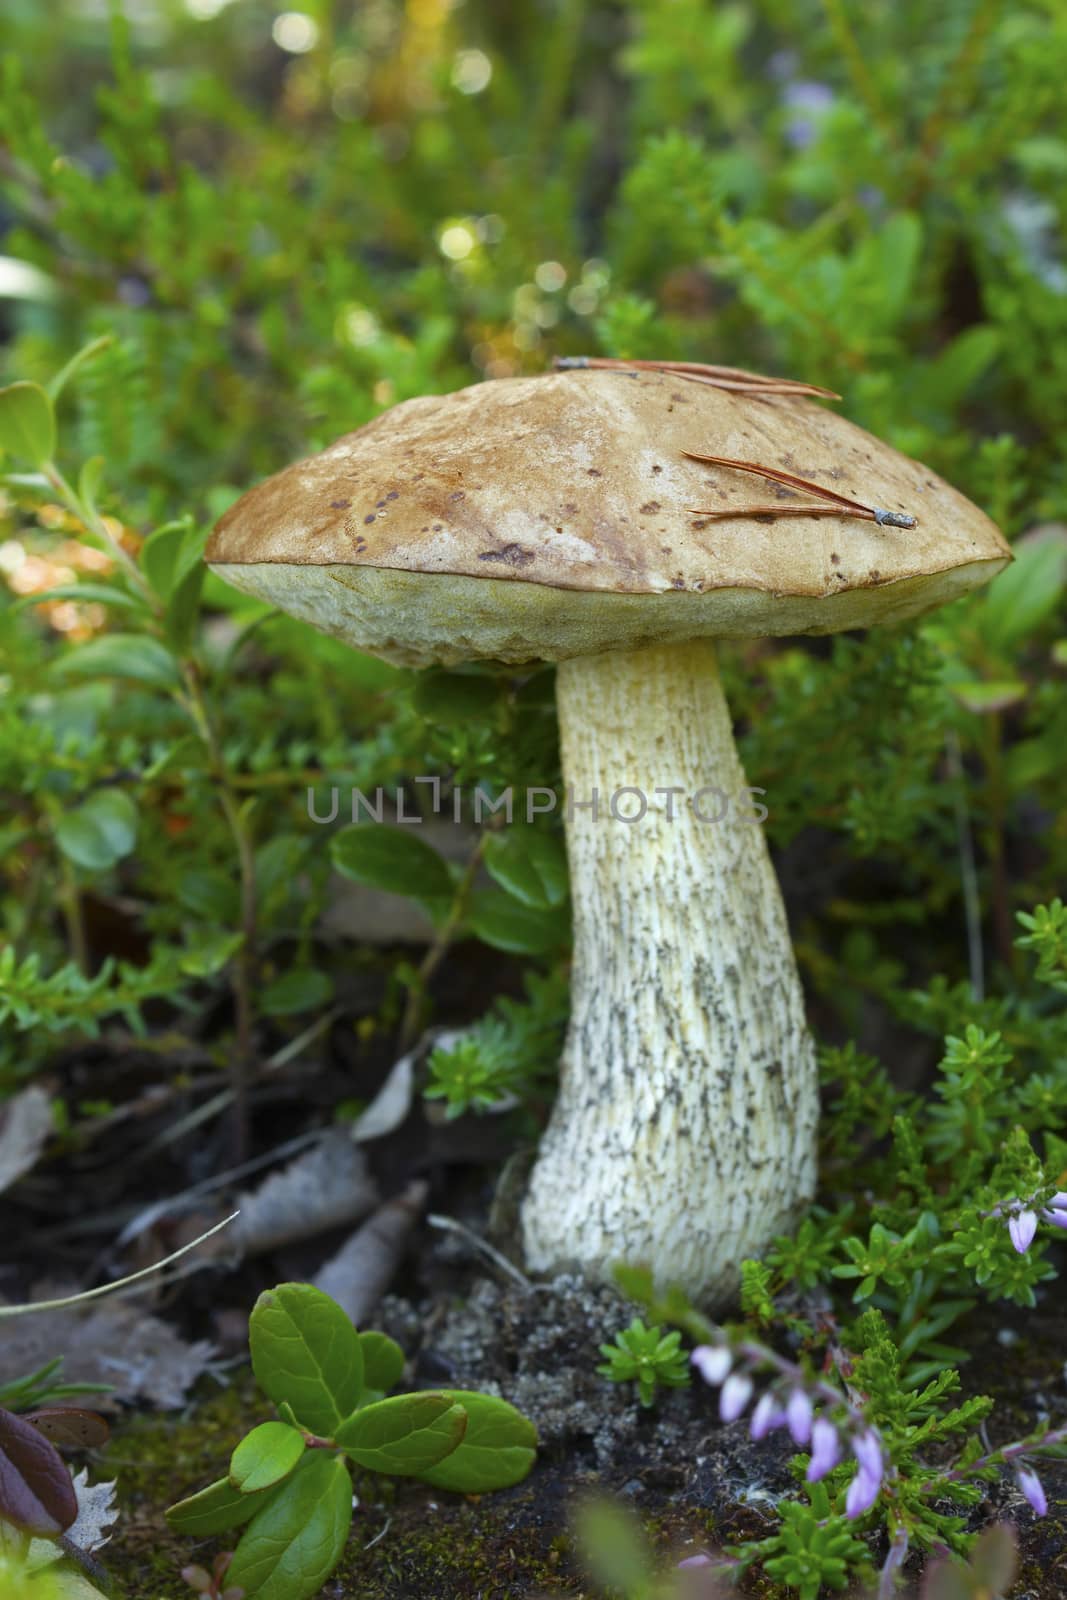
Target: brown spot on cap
x=513, y=555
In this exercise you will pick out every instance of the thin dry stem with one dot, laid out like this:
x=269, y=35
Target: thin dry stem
x=733, y=378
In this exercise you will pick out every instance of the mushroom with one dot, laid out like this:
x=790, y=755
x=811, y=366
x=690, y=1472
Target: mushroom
x=548, y=519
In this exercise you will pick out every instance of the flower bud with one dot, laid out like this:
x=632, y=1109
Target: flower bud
x=713, y=1362
x=734, y=1396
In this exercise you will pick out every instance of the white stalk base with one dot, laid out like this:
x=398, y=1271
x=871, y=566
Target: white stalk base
x=683, y=1136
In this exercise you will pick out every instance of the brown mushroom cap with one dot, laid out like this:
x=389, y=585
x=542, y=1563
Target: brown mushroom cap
x=547, y=517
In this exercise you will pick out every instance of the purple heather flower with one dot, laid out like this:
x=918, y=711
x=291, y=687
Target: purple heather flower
x=1056, y=1210
x=713, y=1362
x=1032, y=1488
x=862, y=1493
x=1022, y=1228
x=767, y=1416
x=799, y=1413
x=734, y=1396
x=825, y=1449
x=867, y=1449
x=806, y=99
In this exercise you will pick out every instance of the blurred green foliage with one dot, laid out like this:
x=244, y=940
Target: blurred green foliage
x=273, y=224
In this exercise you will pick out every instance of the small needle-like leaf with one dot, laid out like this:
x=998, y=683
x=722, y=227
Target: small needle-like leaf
x=838, y=505
x=733, y=378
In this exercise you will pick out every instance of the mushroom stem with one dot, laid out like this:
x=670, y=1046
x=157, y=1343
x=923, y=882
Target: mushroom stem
x=683, y=1136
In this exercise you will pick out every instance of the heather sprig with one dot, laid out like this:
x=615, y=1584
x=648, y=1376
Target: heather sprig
x=816, y=1413
x=867, y=1439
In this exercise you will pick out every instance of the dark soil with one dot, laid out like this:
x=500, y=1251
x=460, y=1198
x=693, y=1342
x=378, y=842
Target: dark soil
x=694, y=1483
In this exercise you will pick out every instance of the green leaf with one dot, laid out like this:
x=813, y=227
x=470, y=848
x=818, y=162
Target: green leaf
x=383, y=1364
x=290, y=1547
x=265, y=1456
x=216, y=1508
x=211, y=954
x=497, y=1450
x=396, y=859
x=306, y=1351
x=303, y=989
x=99, y=832
x=891, y=257
x=27, y=423
x=506, y=924
x=405, y=1435
x=122, y=655
x=1021, y=597
x=89, y=480
x=984, y=698
x=171, y=553
x=530, y=864
x=57, y=384
x=614, y=1547
x=103, y=593
x=209, y=893
x=183, y=611
x=278, y=863
x=455, y=697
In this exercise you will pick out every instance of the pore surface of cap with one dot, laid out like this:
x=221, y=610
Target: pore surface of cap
x=551, y=516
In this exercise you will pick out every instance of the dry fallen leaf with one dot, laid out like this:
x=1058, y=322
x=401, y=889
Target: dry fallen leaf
x=25, y=1123
x=115, y=1343
x=91, y=1530
x=392, y=1102
x=325, y=1186
x=361, y=1271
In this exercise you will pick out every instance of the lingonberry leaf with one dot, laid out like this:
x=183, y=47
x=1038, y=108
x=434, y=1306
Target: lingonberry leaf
x=404, y=1435
x=265, y=1456
x=306, y=1352
x=497, y=1450
x=383, y=1363
x=290, y=1547
x=27, y=423
x=216, y=1509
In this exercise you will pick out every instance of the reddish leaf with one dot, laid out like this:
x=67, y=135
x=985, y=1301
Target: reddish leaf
x=36, y=1492
x=69, y=1427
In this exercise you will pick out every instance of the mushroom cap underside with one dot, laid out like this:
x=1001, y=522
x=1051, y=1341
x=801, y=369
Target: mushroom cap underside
x=420, y=620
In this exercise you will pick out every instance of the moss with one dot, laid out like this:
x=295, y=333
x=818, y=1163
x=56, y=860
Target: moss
x=407, y=1539
x=159, y=1458
x=420, y=1542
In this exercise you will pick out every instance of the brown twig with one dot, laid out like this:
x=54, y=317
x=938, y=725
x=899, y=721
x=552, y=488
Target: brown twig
x=840, y=505
x=735, y=378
